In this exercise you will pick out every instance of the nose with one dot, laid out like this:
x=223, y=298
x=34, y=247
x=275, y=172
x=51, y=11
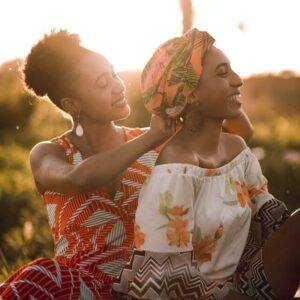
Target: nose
x=236, y=80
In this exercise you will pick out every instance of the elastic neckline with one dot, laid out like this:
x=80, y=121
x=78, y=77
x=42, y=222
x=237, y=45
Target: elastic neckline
x=185, y=167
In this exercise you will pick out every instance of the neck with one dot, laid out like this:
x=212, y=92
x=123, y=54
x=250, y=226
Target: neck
x=206, y=137
x=98, y=137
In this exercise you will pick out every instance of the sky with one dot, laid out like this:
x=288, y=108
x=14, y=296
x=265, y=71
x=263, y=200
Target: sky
x=128, y=31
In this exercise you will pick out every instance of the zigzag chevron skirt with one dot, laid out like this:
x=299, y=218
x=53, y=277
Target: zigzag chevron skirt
x=153, y=275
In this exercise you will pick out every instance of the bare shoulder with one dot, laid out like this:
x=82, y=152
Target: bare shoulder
x=176, y=153
x=44, y=149
x=234, y=144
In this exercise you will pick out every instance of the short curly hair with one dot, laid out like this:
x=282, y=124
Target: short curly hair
x=51, y=66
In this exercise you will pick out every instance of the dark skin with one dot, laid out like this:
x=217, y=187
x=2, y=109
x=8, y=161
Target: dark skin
x=201, y=142
x=99, y=102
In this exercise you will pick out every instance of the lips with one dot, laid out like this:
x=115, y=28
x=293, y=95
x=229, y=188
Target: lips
x=235, y=99
x=120, y=102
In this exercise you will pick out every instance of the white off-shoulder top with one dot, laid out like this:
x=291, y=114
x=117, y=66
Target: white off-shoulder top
x=183, y=207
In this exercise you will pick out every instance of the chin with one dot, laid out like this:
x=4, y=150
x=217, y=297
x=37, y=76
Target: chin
x=124, y=114
x=234, y=114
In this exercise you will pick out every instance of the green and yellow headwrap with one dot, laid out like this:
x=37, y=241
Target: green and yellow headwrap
x=173, y=72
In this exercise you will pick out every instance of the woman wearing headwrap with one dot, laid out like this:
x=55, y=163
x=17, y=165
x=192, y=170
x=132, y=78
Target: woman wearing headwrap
x=206, y=225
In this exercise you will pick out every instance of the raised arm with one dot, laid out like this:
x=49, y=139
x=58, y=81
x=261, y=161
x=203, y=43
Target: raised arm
x=52, y=172
x=240, y=126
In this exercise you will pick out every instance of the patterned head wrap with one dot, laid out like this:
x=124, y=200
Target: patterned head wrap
x=173, y=72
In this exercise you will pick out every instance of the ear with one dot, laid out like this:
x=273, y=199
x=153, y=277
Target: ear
x=71, y=106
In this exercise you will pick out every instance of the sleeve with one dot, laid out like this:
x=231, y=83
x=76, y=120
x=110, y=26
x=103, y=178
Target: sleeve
x=268, y=212
x=271, y=216
x=164, y=218
x=257, y=184
x=267, y=220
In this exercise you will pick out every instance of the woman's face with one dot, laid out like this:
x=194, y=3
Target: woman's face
x=218, y=93
x=100, y=90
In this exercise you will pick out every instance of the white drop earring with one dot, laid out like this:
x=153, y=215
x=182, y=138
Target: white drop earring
x=79, y=130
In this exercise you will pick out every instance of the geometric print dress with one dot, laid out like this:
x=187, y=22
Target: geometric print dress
x=93, y=237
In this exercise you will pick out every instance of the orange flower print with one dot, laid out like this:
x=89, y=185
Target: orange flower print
x=242, y=194
x=219, y=232
x=204, y=248
x=259, y=189
x=139, y=236
x=176, y=225
x=178, y=210
x=177, y=233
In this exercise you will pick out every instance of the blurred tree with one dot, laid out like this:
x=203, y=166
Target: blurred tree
x=268, y=95
x=15, y=103
x=187, y=15
x=20, y=205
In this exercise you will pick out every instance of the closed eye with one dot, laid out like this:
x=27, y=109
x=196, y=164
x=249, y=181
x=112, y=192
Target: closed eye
x=222, y=69
x=101, y=81
x=222, y=74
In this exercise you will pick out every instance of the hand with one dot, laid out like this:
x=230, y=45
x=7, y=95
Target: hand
x=162, y=127
x=241, y=125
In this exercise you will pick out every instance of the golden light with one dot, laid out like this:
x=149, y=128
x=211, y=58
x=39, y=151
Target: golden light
x=128, y=31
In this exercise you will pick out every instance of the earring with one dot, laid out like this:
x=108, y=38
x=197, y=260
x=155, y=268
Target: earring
x=79, y=129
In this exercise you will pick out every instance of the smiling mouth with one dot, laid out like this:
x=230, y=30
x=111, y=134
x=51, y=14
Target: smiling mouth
x=120, y=102
x=235, y=99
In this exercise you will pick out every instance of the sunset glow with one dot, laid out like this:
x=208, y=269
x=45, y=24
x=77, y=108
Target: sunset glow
x=257, y=36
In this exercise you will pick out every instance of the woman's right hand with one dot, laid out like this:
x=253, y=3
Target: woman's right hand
x=162, y=127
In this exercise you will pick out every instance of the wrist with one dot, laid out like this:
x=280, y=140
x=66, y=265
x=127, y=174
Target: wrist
x=153, y=139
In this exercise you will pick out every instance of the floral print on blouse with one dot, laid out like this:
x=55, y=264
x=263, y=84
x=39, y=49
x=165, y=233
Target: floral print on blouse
x=183, y=207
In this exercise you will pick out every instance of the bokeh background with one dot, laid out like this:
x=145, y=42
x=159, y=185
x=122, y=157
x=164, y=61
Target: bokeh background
x=258, y=36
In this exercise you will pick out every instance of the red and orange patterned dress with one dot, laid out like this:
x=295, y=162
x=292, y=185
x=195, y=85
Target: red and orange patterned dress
x=93, y=237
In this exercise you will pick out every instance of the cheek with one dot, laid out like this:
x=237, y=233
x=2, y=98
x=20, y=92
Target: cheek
x=96, y=106
x=215, y=106
x=214, y=90
x=219, y=96
x=213, y=99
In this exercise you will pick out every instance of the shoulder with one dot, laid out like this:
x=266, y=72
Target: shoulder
x=43, y=149
x=234, y=144
x=176, y=153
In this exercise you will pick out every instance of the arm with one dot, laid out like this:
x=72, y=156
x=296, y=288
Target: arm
x=240, y=126
x=52, y=172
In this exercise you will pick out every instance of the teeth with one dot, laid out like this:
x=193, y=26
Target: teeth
x=119, y=102
x=235, y=98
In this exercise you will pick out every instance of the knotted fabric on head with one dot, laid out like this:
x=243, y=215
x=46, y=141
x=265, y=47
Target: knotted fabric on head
x=173, y=72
